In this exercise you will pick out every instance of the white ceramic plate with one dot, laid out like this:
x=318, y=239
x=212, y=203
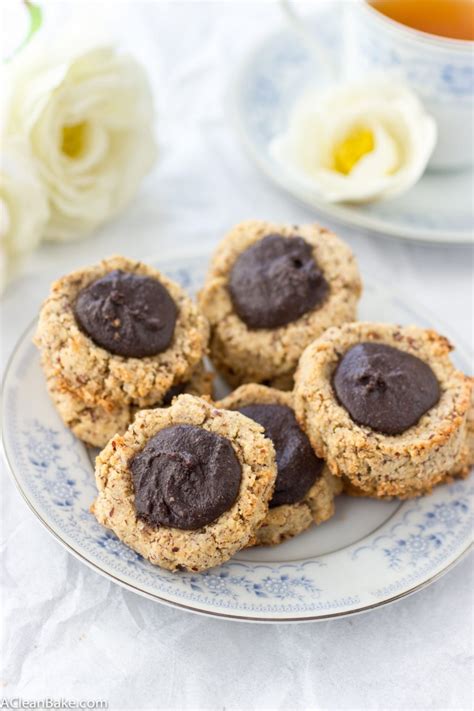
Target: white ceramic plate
x=369, y=554
x=439, y=208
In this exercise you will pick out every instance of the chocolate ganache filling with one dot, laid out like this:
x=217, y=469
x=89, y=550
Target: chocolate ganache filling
x=127, y=314
x=297, y=465
x=275, y=281
x=384, y=388
x=173, y=392
x=185, y=477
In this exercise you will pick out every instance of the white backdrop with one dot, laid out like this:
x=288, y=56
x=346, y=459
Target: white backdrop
x=70, y=633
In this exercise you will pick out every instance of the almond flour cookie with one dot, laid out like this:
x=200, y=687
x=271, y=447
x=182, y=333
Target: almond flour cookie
x=95, y=424
x=385, y=407
x=120, y=333
x=304, y=488
x=270, y=291
x=470, y=432
x=461, y=469
x=186, y=486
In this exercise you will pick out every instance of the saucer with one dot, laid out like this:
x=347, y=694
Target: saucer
x=438, y=209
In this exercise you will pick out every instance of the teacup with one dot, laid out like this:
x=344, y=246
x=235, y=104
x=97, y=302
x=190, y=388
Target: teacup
x=440, y=70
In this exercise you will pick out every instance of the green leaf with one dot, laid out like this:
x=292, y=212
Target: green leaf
x=36, y=20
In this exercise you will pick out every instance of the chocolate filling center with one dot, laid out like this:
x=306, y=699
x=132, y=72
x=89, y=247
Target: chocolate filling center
x=297, y=465
x=174, y=391
x=127, y=314
x=384, y=388
x=185, y=477
x=275, y=281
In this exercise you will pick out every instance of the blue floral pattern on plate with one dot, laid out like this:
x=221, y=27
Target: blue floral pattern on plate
x=54, y=472
x=421, y=533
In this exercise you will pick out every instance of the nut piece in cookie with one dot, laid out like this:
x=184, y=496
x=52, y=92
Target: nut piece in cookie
x=385, y=407
x=270, y=291
x=304, y=488
x=186, y=486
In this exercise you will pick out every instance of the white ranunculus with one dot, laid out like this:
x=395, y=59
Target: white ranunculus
x=24, y=208
x=87, y=113
x=357, y=142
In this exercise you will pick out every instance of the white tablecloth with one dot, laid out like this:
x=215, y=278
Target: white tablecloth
x=70, y=633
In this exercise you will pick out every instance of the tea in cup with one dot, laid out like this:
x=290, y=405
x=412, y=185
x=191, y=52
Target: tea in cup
x=428, y=44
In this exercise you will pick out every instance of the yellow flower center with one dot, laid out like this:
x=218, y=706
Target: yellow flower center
x=73, y=139
x=356, y=144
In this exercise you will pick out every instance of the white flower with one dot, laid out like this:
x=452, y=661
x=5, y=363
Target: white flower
x=23, y=206
x=357, y=142
x=87, y=114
